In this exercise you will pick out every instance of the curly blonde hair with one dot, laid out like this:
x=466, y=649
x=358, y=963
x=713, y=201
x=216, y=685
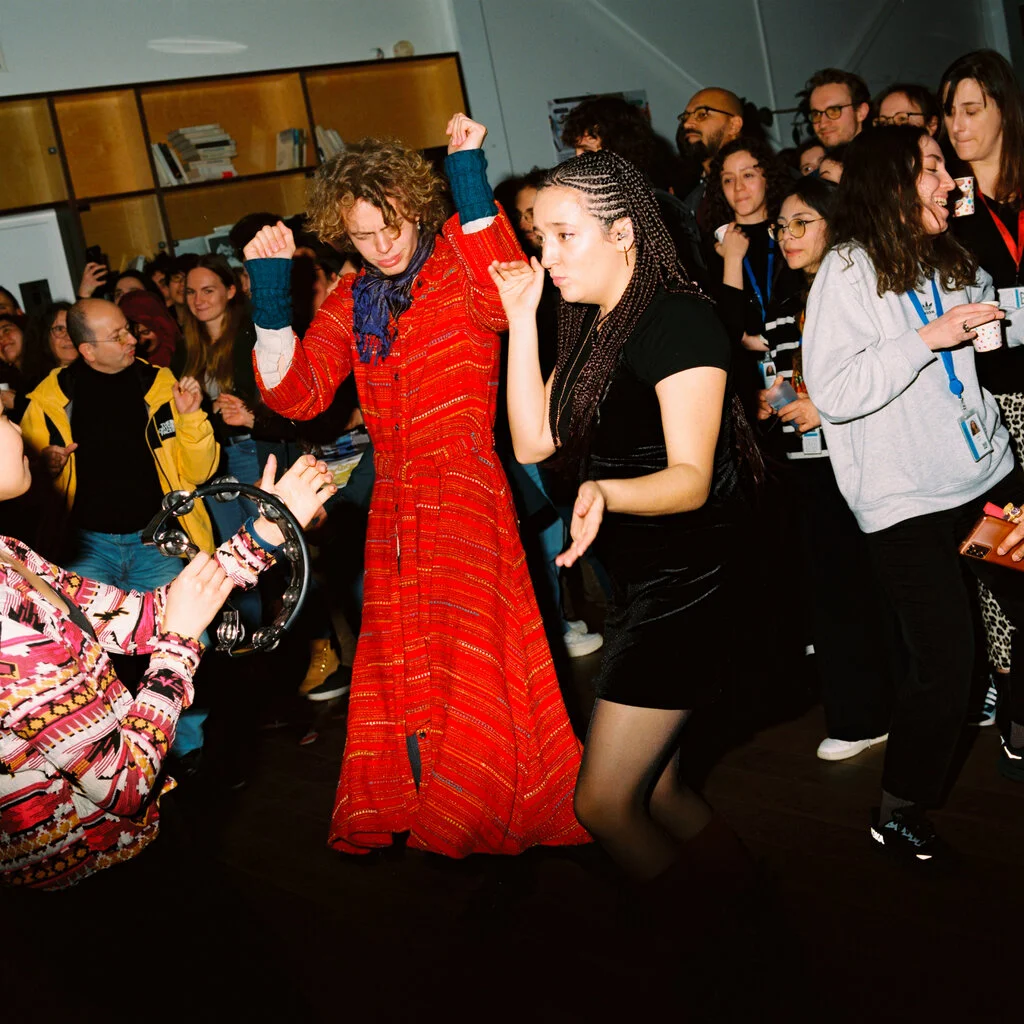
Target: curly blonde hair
x=376, y=170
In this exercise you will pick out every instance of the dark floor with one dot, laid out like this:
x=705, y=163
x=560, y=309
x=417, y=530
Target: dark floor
x=241, y=910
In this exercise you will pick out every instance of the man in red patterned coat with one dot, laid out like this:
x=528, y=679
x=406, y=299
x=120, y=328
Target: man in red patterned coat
x=457, y=733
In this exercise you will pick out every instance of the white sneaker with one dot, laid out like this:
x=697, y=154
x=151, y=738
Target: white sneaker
x=581, y=644
x=574, y=626
x=838, y=750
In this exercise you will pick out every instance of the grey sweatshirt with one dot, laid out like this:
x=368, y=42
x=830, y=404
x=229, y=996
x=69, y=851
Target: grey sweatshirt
x=890, y=420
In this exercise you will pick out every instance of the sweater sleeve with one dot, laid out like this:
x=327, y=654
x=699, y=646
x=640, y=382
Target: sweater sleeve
x=851, y=368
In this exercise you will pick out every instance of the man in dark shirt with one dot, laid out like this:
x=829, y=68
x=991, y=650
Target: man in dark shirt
x=137, y=434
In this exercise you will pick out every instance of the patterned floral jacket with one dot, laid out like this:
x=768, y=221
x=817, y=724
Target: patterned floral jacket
x=79, y=756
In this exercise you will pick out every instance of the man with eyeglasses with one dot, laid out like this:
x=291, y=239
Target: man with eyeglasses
x=117, y=434
x=712, y=118
x=838, y=105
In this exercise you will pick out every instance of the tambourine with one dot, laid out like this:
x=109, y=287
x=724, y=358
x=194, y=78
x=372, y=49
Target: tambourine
x=171, y=540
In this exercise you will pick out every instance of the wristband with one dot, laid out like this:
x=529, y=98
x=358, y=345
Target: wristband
x=250, y=528
x=270, y=282
x=467, y=174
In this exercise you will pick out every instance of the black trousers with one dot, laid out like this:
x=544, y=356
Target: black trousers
x=919, y=564
x=856, y=633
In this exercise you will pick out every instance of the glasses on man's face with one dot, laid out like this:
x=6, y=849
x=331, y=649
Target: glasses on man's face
x=796, y=227
x=900, y=117
x=833, y=113
x=699, y=114
x=123, y=336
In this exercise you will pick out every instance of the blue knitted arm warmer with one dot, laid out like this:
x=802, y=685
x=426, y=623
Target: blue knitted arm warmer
x=467, y=172
x=271, y=282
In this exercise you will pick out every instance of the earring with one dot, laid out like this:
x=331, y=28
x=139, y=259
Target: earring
x=625, y=256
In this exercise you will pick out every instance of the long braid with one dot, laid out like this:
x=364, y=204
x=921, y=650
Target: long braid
x=614, y=188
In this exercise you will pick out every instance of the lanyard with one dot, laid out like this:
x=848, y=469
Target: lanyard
x=1016, y=248
x=956, y=385
x=761, y=300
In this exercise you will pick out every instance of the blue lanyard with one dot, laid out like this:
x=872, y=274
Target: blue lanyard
x=768, y=282
x=956, y=385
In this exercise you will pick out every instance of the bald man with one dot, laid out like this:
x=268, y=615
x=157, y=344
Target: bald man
x=712, y=118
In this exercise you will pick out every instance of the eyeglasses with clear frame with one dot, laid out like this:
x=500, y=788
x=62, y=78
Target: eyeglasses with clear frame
x=123, y=336
x=796, y=227
x=900, y=117
x=833, y=113
x=701, y=113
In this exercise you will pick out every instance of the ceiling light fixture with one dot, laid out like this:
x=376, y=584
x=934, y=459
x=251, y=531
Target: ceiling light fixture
x=196, y=46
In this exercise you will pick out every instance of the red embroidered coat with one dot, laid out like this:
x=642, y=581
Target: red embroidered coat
x=452, y=649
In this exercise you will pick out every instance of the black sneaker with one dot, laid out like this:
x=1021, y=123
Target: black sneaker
x=908, y=833
x=1011, y=762
x=986, y=714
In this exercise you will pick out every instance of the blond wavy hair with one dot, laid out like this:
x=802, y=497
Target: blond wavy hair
x=378, y=171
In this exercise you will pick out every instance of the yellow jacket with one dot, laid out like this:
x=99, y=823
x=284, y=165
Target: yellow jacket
x=183, y=446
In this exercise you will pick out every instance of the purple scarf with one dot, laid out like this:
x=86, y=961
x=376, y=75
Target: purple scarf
x=379, y=300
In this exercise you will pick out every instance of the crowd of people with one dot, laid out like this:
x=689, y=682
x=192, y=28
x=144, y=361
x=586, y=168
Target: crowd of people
x=658, y=350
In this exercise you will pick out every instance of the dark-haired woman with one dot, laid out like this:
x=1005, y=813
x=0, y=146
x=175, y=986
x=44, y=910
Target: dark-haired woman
x=983, y=112
x=457, y=733
x=745, y=186
x=637, y=405
x=917, y=446
x=904, y=103
x=854, y=633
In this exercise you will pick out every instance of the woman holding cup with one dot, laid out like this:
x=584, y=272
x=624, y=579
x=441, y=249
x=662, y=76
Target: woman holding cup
x=917, y=447
x=983, y=113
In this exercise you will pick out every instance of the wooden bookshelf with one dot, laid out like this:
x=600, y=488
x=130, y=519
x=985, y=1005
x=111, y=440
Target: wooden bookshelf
x=104, y=143
x=251, y=110
x=389, y=101
x=88, y=150
x=199, y=210
x=124, y=228
x=32, y=169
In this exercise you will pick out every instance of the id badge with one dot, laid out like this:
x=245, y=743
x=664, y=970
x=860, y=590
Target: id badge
x=810, y=442
x=768, y=371
x=974, y=434
x=1011, y=298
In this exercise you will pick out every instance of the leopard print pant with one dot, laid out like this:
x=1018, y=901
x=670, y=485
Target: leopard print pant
x=998, y=630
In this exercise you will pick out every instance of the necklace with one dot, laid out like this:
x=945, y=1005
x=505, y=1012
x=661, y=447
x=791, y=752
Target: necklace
x=568, y=389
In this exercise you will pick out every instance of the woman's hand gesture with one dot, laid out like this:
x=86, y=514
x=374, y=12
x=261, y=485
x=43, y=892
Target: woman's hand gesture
x=734, y=244
x=587, y=514
x=94, y=275
x=956, y=325
x=801, y=413
x=275, y=241
x=233, y=411
x=195, y=596
x=304, y=489
x=464, y=133
x=519, y=286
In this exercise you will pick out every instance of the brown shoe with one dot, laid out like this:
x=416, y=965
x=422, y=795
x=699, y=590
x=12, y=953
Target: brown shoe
x=323, y=680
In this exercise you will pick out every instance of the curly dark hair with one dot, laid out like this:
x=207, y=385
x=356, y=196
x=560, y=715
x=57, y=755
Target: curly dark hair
x=879, y=210
x=620, y=126
x=376, y=170
x=995, y=75
x=776, y=177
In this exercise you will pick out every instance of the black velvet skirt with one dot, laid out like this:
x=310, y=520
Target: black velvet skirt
x=670, y=624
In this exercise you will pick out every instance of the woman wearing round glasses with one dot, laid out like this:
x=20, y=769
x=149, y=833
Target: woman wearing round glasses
x=917, y=447
x=855, y=639
x=905, y=103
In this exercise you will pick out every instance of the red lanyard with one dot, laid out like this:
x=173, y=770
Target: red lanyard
x=1016, y=247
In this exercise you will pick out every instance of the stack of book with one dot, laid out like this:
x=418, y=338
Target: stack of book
x=291, y=148
x=201, y=152
x=328, y=143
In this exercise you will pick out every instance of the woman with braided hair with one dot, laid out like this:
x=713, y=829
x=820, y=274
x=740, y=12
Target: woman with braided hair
x=637, y=407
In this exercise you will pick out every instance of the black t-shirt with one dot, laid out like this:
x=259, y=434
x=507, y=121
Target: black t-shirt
x=1000, y=371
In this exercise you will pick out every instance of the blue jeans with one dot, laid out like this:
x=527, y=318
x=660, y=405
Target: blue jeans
x=122, y=560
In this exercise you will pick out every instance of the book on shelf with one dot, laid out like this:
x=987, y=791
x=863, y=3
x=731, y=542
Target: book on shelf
x=163, y=171
x=291, y=149
x=201, y=152
x=328, y=143
x=175, y=166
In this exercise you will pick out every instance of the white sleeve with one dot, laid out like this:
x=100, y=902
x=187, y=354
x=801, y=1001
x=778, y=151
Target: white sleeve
x=274, y=351
x=477, y=225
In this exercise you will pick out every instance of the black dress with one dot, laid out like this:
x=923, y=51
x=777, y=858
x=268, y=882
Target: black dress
x=667, y=626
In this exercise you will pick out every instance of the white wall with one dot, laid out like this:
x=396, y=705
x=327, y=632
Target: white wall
x=763, y=49
x=51, y=45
